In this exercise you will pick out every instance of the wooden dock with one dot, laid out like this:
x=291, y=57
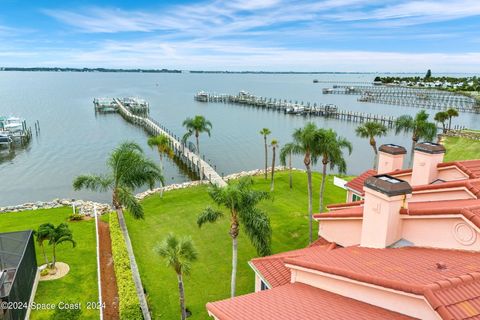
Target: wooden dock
x=194, y=161
x=295, y=108
x=410, y=97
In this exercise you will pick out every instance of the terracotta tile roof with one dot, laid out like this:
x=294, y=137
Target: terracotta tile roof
x=353, y=212
x=459, y=299
x=272, y=268
x=336, y=206
x=356, y=184
x=470, y=167
x=408, y=269
x=297, y=301
x=473, y=185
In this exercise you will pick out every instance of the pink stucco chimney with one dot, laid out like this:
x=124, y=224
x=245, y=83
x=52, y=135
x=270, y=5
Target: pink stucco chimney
x=390, y=158
x=384, y=197
x=426, y=157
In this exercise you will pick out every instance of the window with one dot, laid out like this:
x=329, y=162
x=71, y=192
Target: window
x=263, y=286
x=356, y=197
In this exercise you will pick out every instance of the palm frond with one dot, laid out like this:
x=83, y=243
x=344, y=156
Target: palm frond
x=208, y=215
x=257, y=227
x=128, y=200
x=93, y=182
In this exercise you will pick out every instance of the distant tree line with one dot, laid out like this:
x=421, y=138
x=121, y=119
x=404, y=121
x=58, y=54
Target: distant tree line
x=57, y=69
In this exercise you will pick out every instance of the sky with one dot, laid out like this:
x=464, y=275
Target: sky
x=267, y=35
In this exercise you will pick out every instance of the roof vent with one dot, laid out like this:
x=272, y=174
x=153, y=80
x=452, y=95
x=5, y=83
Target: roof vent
x=441, y=265
x=388, y=185
x=391, y=148
x=430, y=147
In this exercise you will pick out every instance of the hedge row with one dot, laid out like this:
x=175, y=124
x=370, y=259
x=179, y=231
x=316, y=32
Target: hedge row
x=129, y=306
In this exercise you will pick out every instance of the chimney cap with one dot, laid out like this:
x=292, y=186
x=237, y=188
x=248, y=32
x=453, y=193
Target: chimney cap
x=388, y=185
x=430, y=147
x=393, y=149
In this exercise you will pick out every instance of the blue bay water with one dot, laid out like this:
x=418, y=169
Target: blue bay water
x=74, y=140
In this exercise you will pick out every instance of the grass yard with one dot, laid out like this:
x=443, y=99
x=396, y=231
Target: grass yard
x=210, y=277
x=461, y=149
x=80, y=284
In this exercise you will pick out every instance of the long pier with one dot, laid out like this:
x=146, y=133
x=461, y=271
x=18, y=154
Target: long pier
x=194, y=161
x=410, y=97
x=289, y=107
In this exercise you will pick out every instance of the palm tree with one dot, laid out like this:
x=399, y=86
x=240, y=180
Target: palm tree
x=442, y=117
x=419, y=126
x=241, y=202
x=44, y=233
x=370, y=130
x=129, y=169
x=274, y=145
x=58, y=235
x=452, y=112
x=162, y=142
x=179, y=255
x=287, y=150
x=265, y=132
x=195, y=126
x=305, y=143
x=330, y=148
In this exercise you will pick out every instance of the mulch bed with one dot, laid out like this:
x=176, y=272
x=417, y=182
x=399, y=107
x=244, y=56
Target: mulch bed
x=107, y=272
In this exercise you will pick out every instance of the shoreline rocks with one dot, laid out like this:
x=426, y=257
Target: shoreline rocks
x=87, y=207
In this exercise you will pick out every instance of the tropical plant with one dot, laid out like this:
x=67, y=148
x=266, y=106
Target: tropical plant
x=330, y=149
x=162, y=143
x=44, y=233
x=58, y=235
x=241, y=202
x=452, y=112
x=179, y=255
x=265, y=132
x=305, y=143
x=371, y=130
x=442, y=117
x=284, y=152
x=129, y=169
x=419, y=126
x=195, y=126
x=274, y=145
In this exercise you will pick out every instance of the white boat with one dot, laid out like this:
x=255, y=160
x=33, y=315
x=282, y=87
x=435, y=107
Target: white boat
x=5, y=137
x=13, y=124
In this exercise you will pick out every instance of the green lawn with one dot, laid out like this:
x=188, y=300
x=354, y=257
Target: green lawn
x=210, y=277
x=461, y=149
x=80, y=284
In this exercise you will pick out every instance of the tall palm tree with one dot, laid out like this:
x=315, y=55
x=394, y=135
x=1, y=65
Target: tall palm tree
x=162, y=142
x=284, y=152
x=452, y=112
x=330, y=148
x=265, y=132
x=305, y=143
x=129, y=169
x=442, y=117
x=44, y=233
x=179, y=255
x=371, y=130
x=419, y=126
x=241, y=202
x=274, y=145
x=195, y=126
x=58, y=235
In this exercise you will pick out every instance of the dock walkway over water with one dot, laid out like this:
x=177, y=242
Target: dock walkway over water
x=203, y=168
x=409, y=97
x=289, y=107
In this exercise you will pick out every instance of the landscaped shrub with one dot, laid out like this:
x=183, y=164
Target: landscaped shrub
x=75, y=217
x=129, y=306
